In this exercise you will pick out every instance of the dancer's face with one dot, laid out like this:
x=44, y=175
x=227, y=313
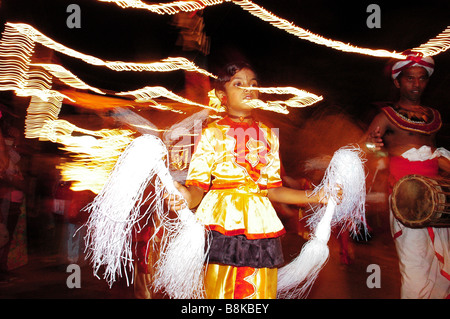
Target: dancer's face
x=236, y=96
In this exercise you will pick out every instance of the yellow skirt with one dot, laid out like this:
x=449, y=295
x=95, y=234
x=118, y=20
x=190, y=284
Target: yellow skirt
x=229, y=282
x=234, y=212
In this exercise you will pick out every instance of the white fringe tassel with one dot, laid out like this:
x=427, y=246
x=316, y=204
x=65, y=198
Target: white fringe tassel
x=184, y=251
x=180, y=269
x=116, y=210
x=346, y=170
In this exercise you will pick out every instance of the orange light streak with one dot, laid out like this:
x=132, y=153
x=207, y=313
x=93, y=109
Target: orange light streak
x=94, y=154
x=148, y=94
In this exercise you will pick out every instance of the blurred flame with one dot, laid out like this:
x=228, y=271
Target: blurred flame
x=94, y=154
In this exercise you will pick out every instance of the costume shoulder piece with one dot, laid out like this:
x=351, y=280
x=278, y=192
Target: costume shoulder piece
x=403, y=122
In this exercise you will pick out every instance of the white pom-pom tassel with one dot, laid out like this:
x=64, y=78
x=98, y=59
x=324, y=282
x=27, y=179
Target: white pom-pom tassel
x=345, y=169
x=184, y=249
x=296, y=278
x=180, y=269
x=116, y=211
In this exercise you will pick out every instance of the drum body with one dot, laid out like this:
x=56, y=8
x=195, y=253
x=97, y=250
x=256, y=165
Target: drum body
x=419, y=201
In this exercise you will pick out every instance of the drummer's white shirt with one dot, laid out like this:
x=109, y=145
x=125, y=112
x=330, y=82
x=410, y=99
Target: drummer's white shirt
x=424, y=153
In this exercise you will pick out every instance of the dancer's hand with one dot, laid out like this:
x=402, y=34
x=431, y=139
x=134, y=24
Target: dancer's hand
x=177, y=202
x=324, y=199
x=339, y=194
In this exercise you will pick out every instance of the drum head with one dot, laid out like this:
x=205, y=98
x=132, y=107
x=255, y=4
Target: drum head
x=412, y=201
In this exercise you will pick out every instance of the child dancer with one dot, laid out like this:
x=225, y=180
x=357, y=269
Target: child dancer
x=233, y=176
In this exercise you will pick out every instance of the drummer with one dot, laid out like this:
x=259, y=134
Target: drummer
x=406, y=130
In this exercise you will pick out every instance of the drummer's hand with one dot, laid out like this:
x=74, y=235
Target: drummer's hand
x=177, y=202
x=374, y=142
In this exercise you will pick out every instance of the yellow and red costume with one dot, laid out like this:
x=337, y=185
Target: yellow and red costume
x=236, y=163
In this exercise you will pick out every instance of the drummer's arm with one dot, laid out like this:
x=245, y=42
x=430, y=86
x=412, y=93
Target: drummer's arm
x=444, y=165
x=372, y=140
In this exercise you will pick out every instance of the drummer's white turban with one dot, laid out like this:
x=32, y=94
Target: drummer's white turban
x=413, y=59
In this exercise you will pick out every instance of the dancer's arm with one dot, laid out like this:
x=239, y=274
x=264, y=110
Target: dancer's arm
x=294, y=196
x=192, y=196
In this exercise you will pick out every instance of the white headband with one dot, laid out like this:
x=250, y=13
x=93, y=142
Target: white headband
x=413, y=60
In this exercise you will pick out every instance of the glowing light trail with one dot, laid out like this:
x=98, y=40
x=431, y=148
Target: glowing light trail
x=35, y=79
x=147, y=94
x=301, y=33
x=39, y=113
x=95, y=154
x=166, y=8
x=165, y=65
x=66, y=76
x=436, y=45
x=15, y=56
x=301, y=99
